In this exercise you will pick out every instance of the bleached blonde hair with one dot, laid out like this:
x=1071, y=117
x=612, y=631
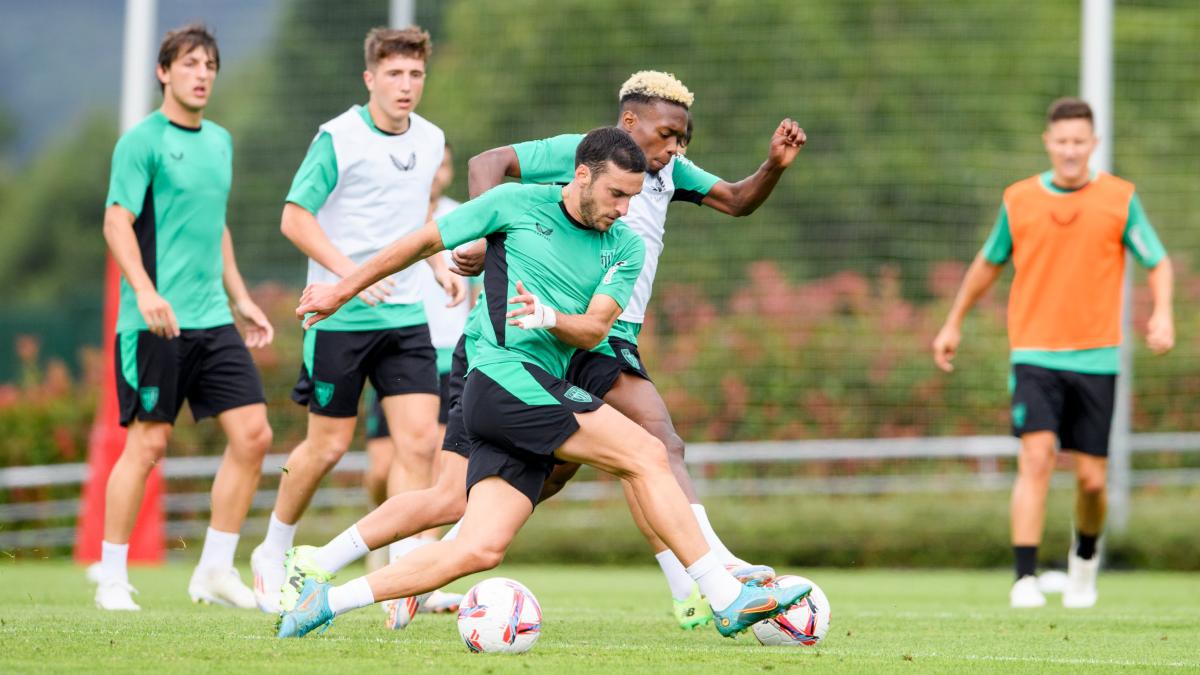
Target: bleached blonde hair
x=647, y=85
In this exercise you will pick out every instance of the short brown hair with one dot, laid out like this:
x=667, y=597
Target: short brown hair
x=383, y=42
x=183, y=40
x=1069, y=108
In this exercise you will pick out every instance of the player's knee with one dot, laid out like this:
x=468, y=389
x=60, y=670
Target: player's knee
x=482, y=556
x=1091, y=484
x=149, y=446
x=1036, y=463
x=253, y=443
x=649, y=457
x=417, y=444
x=327, y=453
x=450, y=506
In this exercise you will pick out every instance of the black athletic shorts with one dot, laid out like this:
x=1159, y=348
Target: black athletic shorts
x=597, y=370
x=210, y=368
x=336, y=363
x=456, y=432
x=513, y=439
x=377, y=426
x=1076, y=406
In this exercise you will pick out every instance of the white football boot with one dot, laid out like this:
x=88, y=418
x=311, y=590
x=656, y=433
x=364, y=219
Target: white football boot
x=1025, y=593
x=268, y=578
x=1080, y=592
x=214, y=586
x=115, y=595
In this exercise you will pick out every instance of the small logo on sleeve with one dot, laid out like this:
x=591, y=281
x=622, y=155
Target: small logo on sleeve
x=149, y=396
x=177, y=156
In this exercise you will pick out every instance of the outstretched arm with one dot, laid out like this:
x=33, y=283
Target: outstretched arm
x=980, y=277
x=582, y=331
x=322, y=300
x=743, y=197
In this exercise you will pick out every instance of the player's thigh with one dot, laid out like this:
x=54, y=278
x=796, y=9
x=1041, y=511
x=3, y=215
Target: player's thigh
x=611, y=442
x=246, y=427
x=409, y=417
x=330, y=435
x=496, y=511
x=638, y=399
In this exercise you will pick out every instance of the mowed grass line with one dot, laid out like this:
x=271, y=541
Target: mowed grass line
x=614, y=619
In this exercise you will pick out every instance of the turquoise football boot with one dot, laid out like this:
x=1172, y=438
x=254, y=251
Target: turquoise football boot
x=756, y=603
x=311, y=612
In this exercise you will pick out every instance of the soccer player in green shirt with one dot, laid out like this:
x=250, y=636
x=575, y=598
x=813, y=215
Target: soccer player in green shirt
x=176, y=339
x=654, y=108
x=562, y=255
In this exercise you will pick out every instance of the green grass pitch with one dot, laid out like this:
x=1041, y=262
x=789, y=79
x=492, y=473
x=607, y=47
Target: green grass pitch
x=613, y=619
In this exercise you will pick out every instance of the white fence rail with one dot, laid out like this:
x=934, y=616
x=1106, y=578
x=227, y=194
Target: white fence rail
x=985, y=476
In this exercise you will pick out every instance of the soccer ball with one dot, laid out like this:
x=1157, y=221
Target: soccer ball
x=803, y=624
x=499, y=615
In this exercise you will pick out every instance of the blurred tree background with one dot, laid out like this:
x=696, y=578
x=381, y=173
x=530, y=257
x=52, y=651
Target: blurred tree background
x=812, y=317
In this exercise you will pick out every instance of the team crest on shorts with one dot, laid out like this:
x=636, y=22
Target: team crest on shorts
x=633, y=360
x=578, y=395
x=149, y=397
x=324, y=391
x=1018, y=413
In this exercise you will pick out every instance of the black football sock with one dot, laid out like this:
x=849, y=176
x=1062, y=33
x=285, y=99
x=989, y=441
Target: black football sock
x=1085, y=545
x=1026, y=558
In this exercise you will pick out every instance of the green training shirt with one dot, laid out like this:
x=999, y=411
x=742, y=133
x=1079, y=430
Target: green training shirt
x=175, y=180
x=1140, y=239
x=532, y=239
x=552, y=160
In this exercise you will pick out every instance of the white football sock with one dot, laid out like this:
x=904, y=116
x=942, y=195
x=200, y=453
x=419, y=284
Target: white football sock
x=280, y=536
x=399, y=549
x=341, y=550
x=716, y=583
x=714, y=542
x=452, y=533
x=113, y=559
x=218, y=550
x=677, y=577
x=350, y=595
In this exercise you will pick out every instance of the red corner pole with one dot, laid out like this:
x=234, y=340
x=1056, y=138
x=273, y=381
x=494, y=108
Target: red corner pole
x=104, y=447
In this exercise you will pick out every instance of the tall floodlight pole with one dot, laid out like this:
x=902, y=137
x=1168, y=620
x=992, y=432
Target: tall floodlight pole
x=1096, y=85
x=107, y=437
x=402, y=13
x=138, y=61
